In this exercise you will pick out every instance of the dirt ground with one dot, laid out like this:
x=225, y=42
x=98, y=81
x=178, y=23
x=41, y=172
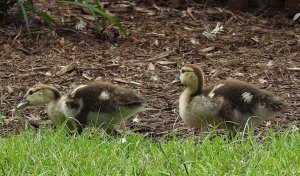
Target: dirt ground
x=263, y=50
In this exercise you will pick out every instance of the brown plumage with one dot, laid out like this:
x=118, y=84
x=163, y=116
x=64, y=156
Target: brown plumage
x=99, y=104
x=229, y=104
x=104, y=98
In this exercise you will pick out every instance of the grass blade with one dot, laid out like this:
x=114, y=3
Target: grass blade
x=48, y=18
x=91, y=9
x=24, y=13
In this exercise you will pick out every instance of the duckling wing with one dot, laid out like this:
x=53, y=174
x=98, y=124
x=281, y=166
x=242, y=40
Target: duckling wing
x=128, y=98
x=104, y=97
x=243, y=96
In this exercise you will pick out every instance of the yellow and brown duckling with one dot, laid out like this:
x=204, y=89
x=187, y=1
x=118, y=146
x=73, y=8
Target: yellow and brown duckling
x=42, y=94
x=230, y=104
x=97, y=104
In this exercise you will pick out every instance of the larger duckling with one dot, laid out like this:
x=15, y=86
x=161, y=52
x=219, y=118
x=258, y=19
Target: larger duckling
x=97, y=104
x=228, y=104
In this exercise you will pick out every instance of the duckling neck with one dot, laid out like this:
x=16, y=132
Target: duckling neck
x=52, y=99
x=188, y=93
x=53, y=102
x=54, y=110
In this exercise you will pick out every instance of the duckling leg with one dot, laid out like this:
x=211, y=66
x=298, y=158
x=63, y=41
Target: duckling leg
x=227, y=116
x=112, y=132
x=75, y=128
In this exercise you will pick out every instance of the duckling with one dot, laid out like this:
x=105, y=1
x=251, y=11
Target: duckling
x=97, y=104
x=104, y=104
x=229, y=104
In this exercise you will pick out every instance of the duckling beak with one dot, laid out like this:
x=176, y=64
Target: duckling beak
x=22, y=104
x=176, y=80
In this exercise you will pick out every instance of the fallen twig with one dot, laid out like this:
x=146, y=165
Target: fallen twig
x=294, y=69
x=126, y=82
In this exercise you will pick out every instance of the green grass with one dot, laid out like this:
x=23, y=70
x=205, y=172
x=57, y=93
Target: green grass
x=47, y=152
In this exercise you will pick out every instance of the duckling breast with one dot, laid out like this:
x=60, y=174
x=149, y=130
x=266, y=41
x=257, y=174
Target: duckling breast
x=201, y=111
x=55, y=113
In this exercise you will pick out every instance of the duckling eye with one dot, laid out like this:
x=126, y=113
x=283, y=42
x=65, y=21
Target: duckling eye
x=182, y=71
x=30, y=92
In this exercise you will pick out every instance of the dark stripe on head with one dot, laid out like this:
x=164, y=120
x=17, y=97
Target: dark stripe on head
x=54, y=90
x=200, y=75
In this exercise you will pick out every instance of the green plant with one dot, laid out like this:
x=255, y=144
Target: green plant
x=99, y=15
x=97, y=10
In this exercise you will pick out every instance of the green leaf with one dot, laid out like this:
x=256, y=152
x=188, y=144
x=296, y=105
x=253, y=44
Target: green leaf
x=100, y=12
x=91, y=9
x=48, y=18
x=24, y=13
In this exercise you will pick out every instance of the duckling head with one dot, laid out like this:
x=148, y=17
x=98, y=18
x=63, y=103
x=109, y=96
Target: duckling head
x=39, y=95
x=192, y=76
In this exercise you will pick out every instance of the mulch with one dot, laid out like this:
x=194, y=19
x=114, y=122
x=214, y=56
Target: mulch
x=263, y=50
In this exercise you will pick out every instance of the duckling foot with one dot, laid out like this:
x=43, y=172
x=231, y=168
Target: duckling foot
x=113, y=132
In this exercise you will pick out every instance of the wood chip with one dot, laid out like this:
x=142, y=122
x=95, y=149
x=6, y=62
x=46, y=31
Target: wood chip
x=86, y=76
x=9, y=89
x=189, y=13
x=208, y=49
x=143, y=10
x=126, y=82
x=161, y=55
x=151, y=67
x=255, y=39
x=166, y=63
x=67, y=68
x=262, y=81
